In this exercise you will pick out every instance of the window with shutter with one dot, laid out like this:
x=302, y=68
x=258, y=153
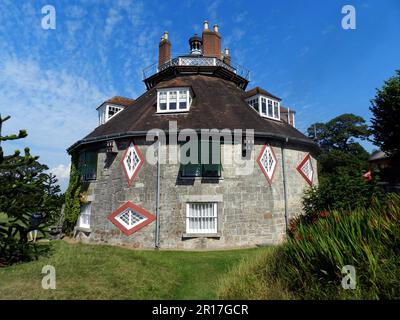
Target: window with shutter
x=208, y=163
x=88, y=165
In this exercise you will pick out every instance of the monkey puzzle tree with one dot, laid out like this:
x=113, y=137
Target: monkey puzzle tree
x=22, y=193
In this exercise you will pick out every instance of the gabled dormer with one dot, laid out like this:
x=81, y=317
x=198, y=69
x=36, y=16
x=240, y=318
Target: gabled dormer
x=265, y=103
x=111, y=107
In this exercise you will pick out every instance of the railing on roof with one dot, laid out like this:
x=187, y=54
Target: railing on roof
x=196, y=61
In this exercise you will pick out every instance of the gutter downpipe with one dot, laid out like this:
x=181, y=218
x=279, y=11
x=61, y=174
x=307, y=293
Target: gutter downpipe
x=157, y=243
x=284, y=184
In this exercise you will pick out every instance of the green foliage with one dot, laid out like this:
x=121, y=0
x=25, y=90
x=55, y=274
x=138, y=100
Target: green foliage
x=385, y=108
x=341, y=164
x=72, y=197
x=22, y=193
x=339, y=133
x=309, y=264
x=345, y=192
x=368, y=239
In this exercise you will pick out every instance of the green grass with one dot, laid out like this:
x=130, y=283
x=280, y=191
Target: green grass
x=107, y=272
x=308, y=266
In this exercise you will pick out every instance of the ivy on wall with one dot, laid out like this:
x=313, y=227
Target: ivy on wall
x=72, y=197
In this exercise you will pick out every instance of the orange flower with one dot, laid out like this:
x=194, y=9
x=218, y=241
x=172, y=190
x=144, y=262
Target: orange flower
x=324, y=214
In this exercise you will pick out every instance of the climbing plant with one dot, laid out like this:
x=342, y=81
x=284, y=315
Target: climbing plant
x=72, y=197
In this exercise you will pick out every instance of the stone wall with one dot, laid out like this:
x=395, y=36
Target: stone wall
x=250, y=210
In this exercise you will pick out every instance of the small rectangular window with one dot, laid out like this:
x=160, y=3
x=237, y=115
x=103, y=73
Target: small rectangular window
x=172, y=100
x=182, y=99
x=276, y=110
x=84, y=216
x=163, y=100
x=256, y=104
x=270, y=110
x=201, y=217
x=264, y=106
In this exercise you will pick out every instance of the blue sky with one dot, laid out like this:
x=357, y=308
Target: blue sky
x=51, y=81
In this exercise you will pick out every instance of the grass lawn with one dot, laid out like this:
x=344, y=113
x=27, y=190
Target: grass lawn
x=106, y=272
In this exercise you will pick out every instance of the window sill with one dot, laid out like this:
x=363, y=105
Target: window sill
x=201, y=235
x=201, y=178
x=172, y=111
x=83, y=229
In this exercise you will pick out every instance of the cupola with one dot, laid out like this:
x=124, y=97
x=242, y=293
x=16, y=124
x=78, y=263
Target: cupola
x=196, y=45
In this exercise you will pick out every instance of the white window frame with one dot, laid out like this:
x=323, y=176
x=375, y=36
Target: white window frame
x=130, y=212
x=259, y=97
x=202, y=221
x=177, y=90
x=84, y=215
x=270, y=162
x=130, y=154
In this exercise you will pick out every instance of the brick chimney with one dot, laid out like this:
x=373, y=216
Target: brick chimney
x=164, y=49
x=227, y=57
x=211, y=41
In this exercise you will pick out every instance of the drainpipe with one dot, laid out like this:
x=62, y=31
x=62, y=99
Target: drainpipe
x=284, y=184
x=157, y=244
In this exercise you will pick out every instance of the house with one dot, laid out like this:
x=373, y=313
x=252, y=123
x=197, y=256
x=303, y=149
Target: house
x=388, y=170
x=205, y=201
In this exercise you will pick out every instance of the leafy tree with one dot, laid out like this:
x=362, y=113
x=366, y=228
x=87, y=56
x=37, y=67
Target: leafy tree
x=341, y=164
x=385, y=108
x=339, y=146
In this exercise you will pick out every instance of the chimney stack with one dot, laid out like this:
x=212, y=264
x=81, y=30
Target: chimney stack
x=227, y=57
x=211, y=41
x=164, y=49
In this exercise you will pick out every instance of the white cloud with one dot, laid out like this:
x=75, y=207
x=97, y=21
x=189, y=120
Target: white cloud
x=61, y=171
x=212, y=11
x=239, y=17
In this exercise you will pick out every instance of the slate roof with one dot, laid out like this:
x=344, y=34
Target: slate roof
x=217, y=103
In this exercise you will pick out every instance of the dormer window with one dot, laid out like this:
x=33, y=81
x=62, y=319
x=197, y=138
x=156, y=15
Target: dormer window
x=107, y=111
x=266, y=106
x=173, y=100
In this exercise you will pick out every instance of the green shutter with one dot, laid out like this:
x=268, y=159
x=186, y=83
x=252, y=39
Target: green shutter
x=189, y=169
x=90, y=165
x=211, y=169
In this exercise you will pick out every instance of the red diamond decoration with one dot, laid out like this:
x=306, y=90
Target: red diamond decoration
x=130, y=218
x=131, y=162
x=306, y=169
x=267, y=162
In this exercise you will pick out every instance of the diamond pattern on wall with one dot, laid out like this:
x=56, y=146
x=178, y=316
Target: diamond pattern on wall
x=130, y=218
x=131, y=162
x=306, y=169
x=267, y=162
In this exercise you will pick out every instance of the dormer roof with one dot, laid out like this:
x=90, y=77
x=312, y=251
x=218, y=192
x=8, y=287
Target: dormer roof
x=118, y=100
x=258, y=90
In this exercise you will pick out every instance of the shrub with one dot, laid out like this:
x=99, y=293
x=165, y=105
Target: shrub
x=309, y=264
